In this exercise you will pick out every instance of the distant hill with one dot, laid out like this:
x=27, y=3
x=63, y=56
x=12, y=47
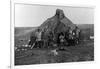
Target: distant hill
x=87, y=30
x=87, y=27
x=23, y=32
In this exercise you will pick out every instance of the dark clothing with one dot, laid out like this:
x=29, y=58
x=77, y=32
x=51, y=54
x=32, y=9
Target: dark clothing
x=39, y=44
x=66, y=35
x=32, y=40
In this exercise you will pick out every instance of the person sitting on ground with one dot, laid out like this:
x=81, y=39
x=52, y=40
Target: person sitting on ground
x=61, y=38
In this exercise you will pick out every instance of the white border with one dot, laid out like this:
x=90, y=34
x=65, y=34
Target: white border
x=45, y=66
x=12, y=34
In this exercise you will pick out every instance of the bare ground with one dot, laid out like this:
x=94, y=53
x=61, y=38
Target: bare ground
x=81, y=52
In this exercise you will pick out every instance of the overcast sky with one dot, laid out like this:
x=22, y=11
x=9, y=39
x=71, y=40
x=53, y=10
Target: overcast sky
x=35, y=15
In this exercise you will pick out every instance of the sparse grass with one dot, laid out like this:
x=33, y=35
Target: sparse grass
x=82, y=52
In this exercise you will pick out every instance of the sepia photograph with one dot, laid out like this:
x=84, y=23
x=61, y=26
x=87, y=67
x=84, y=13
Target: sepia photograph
x=45, y=34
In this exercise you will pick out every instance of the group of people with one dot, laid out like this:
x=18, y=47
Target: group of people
x=69, y=37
